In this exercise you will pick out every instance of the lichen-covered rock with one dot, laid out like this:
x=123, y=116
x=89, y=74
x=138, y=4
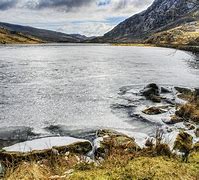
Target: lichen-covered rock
x=110, y=141
x=188, y=112
x=45, y=147
x=173, y=120
x=154, y=111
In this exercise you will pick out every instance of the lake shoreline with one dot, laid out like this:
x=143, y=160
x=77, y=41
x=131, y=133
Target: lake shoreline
x=193, y=49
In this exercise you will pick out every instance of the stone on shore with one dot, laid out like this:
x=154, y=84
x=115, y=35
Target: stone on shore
x=109, y=141
x=165, y=90
x=176, y=119
x=154, y=111
x=151, y=92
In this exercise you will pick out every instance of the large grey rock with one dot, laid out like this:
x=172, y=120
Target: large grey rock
x=151, y=92
x=165, y=90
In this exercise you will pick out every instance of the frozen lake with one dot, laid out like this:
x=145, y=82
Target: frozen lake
x=76, y=84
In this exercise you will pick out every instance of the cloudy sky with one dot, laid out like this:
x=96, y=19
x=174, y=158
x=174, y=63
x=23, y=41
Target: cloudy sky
x=88, y=17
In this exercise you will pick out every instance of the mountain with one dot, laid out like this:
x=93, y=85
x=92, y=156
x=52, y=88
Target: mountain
x=41, y=34
x=162, y=15
x=10, y=37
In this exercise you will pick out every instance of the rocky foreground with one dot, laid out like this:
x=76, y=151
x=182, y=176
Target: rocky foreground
x=114, y=155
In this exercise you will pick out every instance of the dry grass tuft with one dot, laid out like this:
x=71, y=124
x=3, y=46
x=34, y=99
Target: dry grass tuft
x=29, y=171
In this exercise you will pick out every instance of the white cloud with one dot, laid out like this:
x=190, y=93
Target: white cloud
x=86, y=28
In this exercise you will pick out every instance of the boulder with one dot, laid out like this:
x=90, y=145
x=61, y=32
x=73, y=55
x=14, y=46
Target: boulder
x=109, y=141
x=165, y=90
x=173, y=120
x=153, y=111
x=151, y=89
x=45, y=147
x=151, y=92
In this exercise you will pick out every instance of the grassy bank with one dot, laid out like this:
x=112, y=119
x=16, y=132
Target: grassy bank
x=194, y=49
x=121, y=167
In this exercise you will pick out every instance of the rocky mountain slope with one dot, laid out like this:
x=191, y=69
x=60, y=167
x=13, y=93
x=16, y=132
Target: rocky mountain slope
x=41, y=34
x=160, y=16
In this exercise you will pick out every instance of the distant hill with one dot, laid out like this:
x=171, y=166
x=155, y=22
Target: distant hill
x=161, y=16
x=10, y=37
x=41, y=34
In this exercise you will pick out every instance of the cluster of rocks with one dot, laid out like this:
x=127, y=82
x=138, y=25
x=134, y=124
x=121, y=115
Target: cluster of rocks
x=156, y=94
x=166, y=107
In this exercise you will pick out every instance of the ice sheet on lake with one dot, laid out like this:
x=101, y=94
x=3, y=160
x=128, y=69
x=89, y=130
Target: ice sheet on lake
x=42, y=144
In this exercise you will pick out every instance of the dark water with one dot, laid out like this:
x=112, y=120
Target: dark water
x=75, y=85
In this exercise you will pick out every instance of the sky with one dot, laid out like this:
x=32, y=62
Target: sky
x=86, y=17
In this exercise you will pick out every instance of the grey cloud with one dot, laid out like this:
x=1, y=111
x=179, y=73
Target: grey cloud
x=65, y=5
x=136, y=3
x=7, y=4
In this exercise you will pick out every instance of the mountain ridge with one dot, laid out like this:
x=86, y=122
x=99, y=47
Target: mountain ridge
x=160, y=16
x=43, y=35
